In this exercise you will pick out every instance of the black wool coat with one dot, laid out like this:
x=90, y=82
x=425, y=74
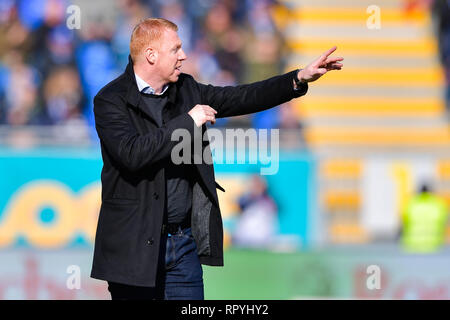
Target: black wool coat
x=135, y=150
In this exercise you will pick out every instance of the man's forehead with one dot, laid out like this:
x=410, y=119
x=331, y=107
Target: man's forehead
x=171, y=35
x=169, y=39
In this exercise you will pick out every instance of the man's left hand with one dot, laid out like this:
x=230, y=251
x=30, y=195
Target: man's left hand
x=320, y=66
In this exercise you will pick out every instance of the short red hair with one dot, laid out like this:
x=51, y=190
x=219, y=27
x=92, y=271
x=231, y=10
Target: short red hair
x=146, y=32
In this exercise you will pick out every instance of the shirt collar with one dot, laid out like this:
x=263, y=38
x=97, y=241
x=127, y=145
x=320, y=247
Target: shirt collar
x=144, y=87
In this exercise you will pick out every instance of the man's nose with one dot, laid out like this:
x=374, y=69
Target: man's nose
x=182, y=55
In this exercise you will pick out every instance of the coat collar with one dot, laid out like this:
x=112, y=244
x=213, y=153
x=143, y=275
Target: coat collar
x=133, y=95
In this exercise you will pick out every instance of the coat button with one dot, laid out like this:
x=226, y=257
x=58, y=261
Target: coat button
x=155, y=196
x=150, y=241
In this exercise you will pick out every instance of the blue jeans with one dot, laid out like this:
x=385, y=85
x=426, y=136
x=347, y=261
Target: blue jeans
x=179, y=277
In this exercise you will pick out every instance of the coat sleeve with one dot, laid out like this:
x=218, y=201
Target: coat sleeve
x=127, y=147
x=250, y=98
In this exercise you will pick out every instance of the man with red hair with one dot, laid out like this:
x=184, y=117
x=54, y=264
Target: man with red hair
x=160, y=221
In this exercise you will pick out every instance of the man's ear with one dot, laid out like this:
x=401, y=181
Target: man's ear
x=151, y=55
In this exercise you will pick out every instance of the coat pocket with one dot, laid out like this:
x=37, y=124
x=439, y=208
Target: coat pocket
x=119, y=228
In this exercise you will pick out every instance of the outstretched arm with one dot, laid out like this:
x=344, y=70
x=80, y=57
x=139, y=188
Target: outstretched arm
x=238, y=100
x=250, y=98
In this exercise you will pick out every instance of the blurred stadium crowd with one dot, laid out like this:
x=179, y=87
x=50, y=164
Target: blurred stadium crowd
x=49, y=73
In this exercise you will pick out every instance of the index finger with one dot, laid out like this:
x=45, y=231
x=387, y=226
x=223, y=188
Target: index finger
x=328, y=52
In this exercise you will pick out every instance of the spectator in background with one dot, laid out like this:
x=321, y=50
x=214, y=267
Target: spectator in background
x=424, y=221
x=228, y=42
x=228, y=54
x=21, y=90
x=96, y=61
x=13, y=34
x=62, y=96
x=220, y=34
x=130, y=13
x=174, y=11
x=257, y=224
x=13, y=40
x=264, y=39
x=52, y=43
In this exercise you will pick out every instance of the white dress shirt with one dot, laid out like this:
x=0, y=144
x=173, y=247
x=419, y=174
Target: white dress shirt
x=144, y=87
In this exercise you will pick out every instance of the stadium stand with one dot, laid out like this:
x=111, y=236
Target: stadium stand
x=388, y=97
